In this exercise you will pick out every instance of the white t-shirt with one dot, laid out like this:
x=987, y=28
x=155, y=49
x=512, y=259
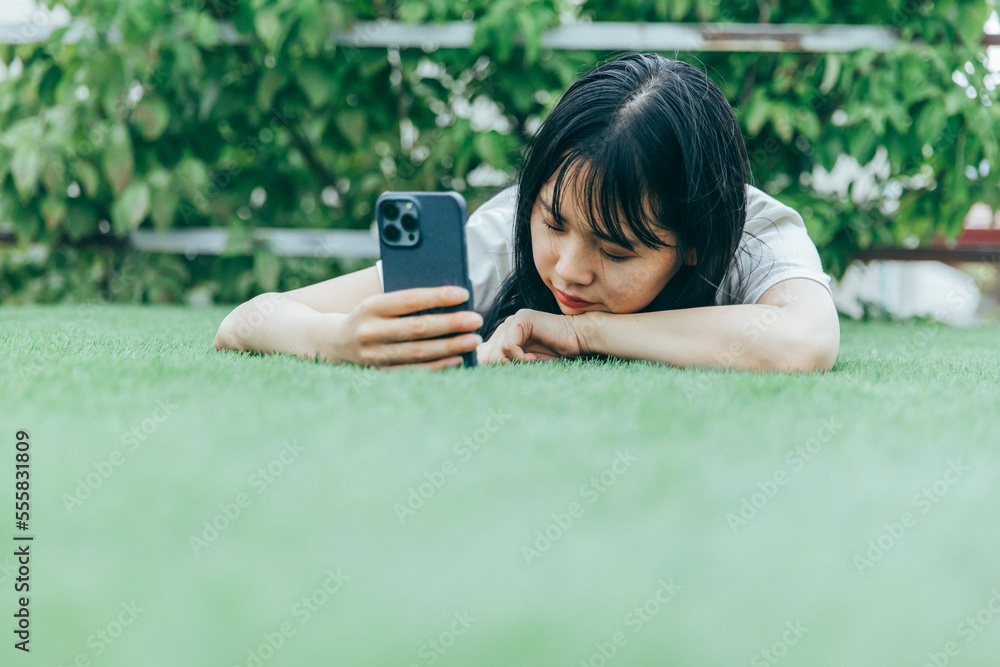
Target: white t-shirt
x=775, y=247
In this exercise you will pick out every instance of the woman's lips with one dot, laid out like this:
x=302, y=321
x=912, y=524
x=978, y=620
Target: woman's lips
x=570, y=302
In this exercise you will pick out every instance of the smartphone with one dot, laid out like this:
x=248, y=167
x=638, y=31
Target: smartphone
x=422, y=241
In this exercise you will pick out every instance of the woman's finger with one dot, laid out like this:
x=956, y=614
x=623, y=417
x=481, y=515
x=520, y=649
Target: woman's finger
x=436, y=365
x=514, y=352
x=406, y=301
x=419, y=327
x=414, y=352
x=513, y=338
x=487, y=354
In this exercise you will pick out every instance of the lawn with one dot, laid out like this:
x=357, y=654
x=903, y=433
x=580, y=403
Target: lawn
x=194, y=507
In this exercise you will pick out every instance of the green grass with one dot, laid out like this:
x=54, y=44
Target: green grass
x=904, y=403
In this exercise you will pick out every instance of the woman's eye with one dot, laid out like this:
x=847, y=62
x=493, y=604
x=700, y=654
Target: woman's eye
x=616, y=258
x=613, y=258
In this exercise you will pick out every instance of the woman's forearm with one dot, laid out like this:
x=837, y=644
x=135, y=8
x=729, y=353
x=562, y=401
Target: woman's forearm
x=273, y=322
x=746, y=337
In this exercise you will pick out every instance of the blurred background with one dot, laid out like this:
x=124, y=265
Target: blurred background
x=202, y=153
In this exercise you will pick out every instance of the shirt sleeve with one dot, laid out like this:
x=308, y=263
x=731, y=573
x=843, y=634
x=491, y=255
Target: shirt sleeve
x=775, y=247
x=488, y=246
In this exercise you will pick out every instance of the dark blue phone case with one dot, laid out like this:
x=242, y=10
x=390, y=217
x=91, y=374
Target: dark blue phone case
x=438, y=258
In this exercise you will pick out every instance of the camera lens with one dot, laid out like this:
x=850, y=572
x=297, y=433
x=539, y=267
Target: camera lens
x=390, y=211
x=408, y=222
x=392, y=233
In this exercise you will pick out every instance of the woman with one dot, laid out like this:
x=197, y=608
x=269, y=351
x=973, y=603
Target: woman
x=630, y=233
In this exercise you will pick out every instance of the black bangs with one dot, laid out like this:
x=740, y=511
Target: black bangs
x=613, y=195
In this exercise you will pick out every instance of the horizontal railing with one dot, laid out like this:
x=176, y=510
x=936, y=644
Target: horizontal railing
x=612, y=36
x=341, y=243
x=599, y=35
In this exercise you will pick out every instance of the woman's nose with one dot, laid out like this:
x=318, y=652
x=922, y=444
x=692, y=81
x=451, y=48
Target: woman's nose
x=573, y=264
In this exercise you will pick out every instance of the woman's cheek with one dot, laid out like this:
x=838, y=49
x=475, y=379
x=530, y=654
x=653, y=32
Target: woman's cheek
x=539, y=250
x=616, y=286
x=631, y=288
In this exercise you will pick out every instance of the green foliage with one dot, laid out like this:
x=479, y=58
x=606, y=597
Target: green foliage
x=248, y=115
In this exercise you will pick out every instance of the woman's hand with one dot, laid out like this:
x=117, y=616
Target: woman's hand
x=376, y=333
x=532, y=335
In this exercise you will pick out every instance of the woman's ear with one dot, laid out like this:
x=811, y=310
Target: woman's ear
x=691, y=257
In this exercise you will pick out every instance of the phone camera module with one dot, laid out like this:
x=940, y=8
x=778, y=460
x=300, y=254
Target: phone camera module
x=400, y=221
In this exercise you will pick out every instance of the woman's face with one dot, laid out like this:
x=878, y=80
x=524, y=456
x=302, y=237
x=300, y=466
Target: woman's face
x=587, y=273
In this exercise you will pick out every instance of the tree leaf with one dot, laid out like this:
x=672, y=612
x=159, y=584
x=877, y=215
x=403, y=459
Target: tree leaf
x=530, y=36
x=151, y=116
x=353, y=125
x=54, y=178
x=707, y=10
x=970, y=23
x=759, y=113
x=163, y=209
x=130, y=208
x=492, y=147
x=270, y=29
x=413, y=12
x=53, y=212
x=313, y=31
x=47, y=86
x=88, y=175
x=208, y=98
x=315, y=83
x=270, y=82
x=831, y=72
x=862, y=143
x=781, y=121
x=6, y=158
x=205, y=30
x=679, y=9
x=118, y=159
x=26, y=168
x=930, y=124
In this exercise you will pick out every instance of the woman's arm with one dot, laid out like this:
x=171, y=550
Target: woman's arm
x=349, y=319
x=792, y=327
x=298, y=320
x=275, y=322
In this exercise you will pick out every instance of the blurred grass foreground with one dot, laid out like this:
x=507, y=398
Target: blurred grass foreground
x=238, y=116
x=215, y=508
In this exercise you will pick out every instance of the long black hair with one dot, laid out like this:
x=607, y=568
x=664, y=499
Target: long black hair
x=651, y=143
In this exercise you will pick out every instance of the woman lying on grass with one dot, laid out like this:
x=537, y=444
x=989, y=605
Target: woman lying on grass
x=631, y=232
